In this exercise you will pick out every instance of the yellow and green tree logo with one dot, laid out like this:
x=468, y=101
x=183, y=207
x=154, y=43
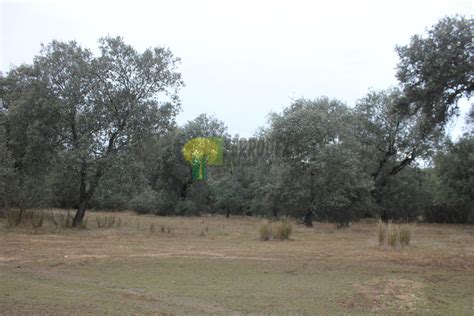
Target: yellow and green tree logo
x=202, y=152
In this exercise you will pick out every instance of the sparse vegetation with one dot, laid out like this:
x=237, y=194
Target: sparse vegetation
x=405, y=233
x=97, y=129
x=381, y=232
x=61, y=219
x=394, y=234
x=279, y=230
x=340, y=267
x=24, y=218
x=108, y=222
x=265, y=231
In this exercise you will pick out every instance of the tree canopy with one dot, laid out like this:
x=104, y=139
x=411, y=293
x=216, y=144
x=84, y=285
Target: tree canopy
x=79, y=130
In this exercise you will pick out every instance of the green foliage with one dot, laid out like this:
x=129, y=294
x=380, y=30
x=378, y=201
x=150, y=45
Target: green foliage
x=6, y=168
x=436, y=70
x=167, y=202
x=323, y=172
x=404, y=196
x=123, y=184
x=454, y=171
x=229, y=195
x=145, y=202
x=187, y=207
x=93, y=108
x=79, y=130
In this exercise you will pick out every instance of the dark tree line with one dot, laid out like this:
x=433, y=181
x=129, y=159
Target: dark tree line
x=83, y=131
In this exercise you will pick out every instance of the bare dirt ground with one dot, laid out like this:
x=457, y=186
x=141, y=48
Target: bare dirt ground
x=213, y=265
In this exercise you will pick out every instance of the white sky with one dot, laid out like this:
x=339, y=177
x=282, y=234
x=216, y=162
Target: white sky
x=241, y=59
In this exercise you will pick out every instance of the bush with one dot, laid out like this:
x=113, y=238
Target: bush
x=145, y=202
x=167, y=201
x=444, y=213
x=186, y=208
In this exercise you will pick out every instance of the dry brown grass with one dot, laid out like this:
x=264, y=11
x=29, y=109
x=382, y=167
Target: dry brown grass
x=394, y=234
x=277, y=230
x=265, y=231
x=381, y=232
x=405, y=234
x=230, y=271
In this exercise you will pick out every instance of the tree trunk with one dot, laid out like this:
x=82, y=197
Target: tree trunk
x=81, y=211
x=84, y=194
x=308, y=218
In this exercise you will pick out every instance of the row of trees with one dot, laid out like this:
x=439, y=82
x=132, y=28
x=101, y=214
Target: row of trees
x=80, y=131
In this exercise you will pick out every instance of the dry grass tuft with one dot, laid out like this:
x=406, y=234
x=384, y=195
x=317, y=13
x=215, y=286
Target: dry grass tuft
x=381, y=232
x=265, y=231
x=394, y=234
x=280, y=230
x=405, y=234
x=108, y=222
x=24, y=218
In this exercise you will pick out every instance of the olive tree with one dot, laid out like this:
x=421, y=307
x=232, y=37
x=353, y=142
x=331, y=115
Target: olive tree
x=103, y=104
x=435, y=70
x=324, y=174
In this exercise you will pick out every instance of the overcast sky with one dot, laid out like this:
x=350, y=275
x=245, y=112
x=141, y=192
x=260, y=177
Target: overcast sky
x=241, y=59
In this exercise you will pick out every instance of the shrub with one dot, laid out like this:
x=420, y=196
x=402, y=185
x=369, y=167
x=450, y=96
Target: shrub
x=186, y=207
x=166, y=201
x=444, y=213
x=146, y=202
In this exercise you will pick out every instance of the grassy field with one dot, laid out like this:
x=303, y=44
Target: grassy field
x=214, y=265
